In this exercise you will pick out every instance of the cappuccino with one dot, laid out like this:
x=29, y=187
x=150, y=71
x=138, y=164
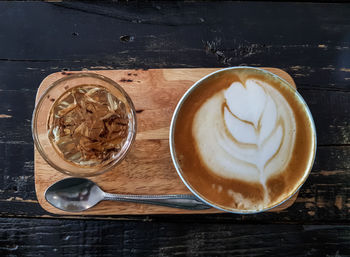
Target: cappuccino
x=243, y=140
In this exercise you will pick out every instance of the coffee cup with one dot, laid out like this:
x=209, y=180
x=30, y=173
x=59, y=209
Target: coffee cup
x=243, y=140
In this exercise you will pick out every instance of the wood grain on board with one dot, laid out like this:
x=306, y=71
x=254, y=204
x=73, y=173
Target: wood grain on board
x=148, y=168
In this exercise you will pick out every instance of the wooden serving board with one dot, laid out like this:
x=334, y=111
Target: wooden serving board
x=148, y=168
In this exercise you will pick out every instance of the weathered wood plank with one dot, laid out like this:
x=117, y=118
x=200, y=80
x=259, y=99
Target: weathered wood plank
x=17, y=108
x=314, y=48
x=42, y=237
x=331, y=113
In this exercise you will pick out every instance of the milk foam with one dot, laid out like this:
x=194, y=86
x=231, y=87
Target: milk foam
x=245, y=132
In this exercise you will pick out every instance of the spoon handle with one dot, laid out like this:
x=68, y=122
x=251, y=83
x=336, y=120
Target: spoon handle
x=189, y=202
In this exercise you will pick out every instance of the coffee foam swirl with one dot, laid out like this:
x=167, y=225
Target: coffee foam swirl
x=245, y=132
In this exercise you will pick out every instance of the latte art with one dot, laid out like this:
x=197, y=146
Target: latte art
x=241, y=133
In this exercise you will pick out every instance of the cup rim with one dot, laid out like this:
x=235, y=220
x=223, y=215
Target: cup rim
x=37, y=109
x=173, y=152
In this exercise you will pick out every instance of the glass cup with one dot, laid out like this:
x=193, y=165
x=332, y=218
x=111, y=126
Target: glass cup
x=40, y=123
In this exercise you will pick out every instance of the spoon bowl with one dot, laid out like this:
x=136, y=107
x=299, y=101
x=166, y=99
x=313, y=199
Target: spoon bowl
x=74, y=194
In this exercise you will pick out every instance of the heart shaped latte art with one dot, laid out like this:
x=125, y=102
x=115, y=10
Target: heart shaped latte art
x=246, y=102
x=252, y=134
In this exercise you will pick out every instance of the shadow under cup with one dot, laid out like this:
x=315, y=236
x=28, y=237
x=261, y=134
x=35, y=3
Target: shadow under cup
x=217, y=190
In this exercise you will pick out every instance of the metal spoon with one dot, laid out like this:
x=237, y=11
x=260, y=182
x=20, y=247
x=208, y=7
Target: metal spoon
x=80, y=194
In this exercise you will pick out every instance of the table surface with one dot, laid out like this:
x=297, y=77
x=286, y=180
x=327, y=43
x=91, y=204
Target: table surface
x=309, y=41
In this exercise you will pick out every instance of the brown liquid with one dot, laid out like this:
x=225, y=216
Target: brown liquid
x=205, y=182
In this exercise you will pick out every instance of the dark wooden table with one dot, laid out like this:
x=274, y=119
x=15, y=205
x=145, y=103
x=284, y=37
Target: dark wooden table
x=310, y=41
